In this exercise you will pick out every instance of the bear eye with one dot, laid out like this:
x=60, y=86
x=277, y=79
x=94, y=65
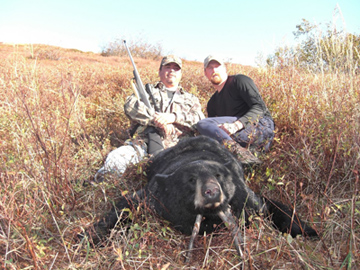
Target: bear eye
x=192, y=179
x=217, y=175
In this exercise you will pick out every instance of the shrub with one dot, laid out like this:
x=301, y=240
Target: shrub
x=329, y=50
x=139, y=48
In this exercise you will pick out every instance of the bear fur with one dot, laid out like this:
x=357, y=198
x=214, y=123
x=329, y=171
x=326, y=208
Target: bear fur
x=199, y=176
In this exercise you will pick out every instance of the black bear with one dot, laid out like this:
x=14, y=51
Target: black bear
x=197, y=185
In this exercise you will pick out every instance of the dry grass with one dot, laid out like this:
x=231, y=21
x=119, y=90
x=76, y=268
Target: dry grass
x=61, y=113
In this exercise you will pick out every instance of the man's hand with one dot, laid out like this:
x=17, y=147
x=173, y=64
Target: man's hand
x=162, y=119
x=232, y=128
x=169, y=130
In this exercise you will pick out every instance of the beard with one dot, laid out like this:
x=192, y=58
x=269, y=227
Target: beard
x=216, y=79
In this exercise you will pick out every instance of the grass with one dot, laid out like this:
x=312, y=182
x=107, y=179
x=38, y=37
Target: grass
x=61, y=112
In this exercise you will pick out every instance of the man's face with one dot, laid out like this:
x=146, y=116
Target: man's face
x=215, y=72
x=170, y=75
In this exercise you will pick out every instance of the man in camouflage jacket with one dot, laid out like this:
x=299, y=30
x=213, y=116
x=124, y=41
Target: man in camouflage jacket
x=174, y=115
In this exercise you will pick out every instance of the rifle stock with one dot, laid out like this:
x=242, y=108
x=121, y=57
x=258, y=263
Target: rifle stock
x=138, y=86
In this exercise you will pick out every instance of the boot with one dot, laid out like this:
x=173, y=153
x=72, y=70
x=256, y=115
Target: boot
x=243, y=154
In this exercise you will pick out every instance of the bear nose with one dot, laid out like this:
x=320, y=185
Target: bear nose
x=211, y=191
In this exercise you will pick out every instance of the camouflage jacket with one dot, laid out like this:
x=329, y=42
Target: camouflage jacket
x=184, y=105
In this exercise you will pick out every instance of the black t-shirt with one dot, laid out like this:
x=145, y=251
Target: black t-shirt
x=239, y=97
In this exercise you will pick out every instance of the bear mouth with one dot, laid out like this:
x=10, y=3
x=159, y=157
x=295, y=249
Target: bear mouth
x=212, y=205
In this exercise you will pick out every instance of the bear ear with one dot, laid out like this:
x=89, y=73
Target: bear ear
x=160, y=178
x=229, y=165
x=233, y=166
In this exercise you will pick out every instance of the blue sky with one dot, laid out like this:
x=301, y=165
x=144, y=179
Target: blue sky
x=192, y=29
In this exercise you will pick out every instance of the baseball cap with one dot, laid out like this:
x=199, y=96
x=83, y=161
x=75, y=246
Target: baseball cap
x=211, y=58
x=171, y=59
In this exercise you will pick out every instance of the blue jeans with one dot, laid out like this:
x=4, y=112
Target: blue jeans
x=259, y=135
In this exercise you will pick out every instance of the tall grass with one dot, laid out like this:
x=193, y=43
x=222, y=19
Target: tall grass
x=60, y=116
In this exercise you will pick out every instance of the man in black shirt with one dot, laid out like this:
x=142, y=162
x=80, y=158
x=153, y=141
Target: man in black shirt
x=237, y=114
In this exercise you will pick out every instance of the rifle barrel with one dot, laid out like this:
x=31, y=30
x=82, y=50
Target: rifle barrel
x=140, y=87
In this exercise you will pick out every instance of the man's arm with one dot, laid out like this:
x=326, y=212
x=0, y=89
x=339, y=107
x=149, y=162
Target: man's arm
x=138, y=111
x=232, y=128
x=251, y=95
x=162, y=119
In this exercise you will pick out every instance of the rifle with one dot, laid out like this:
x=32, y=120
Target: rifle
x=136, y=82
x=155, y=144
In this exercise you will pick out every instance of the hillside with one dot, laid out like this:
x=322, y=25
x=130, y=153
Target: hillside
x=61, y=113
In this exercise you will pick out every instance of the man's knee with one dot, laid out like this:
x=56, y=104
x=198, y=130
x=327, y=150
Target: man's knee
x=203, y=124
x=120, y=158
